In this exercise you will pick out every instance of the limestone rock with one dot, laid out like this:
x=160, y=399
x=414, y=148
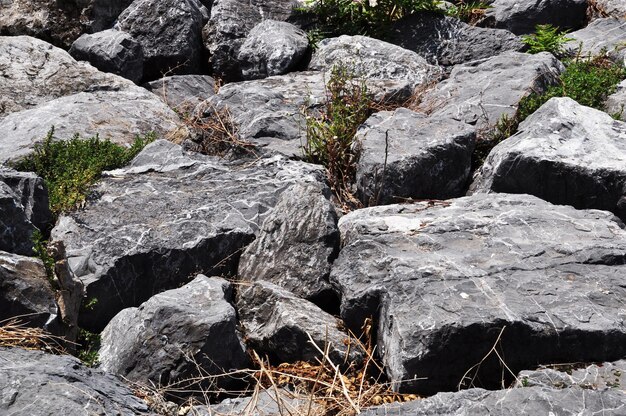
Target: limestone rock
x=616, y=102
x=600, y=36
x=615, y=8
x=604, y=376
x=183, y=92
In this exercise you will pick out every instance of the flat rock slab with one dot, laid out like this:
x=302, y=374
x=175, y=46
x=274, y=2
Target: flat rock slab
x=39, y=384
x=593, y=377
x=600, y=36
x=183, y=92
x=448, y=280
x=168, y=216
x=564, y=153
x=406, y=155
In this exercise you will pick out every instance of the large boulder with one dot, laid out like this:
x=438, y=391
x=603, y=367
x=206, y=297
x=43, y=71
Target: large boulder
x=564, y=153
x=447, y=41
x=406, y=155
x=31, y=193
x=448, y=281
x=183, y=92
x=39, y=384
x=616, y=102
x=602, y=36
x=167, y=216
x=175, y=336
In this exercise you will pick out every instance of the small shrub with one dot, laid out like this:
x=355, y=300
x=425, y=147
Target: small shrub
x=547, y=38
x=40, y=247
x=88, y=346
x=468, y=11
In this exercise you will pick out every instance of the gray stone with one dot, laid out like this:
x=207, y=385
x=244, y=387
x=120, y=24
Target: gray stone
x=600, y=36
x=593, y=377
x=168, y=215
x=38, y=384
x=31, y=193
x=296, y=245
x=615, y=8
x=268, y=402
x=177, y=335
x=616, y=102
x=406, y=155
x=564, y=153
x=481, y=92
x=370, y=58
x=111, y=51
x=272, y=48
x=448, y=280
x=183, y=92
x=278, y=324
x=101, y=14
x=170, y=33
x=447, y=41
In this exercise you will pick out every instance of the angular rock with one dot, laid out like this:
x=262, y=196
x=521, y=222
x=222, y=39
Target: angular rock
x=296, y=245
x=31, y=193
x=564, y=153
x=446, y=281
x=39, y=384
x=168, y=215
x=371, y=58
x=522, y=17
x=616, y=102
x=615, y=8
x=447, y=41
x=406, y=155
x=102, y=14
x=272, y=48
x=170, y=33
x=183, y=92
x=480, y=93
x=600, y=36
x=115, y=115
x=593, y=377
x=278, y=324
x=173, y=334
x=111, y=51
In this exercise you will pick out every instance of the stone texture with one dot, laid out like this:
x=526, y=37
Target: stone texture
x=564, y=153
x=102, y=14
x=616, y=102
x=183, y=92
x=269, y=402
x=481, y=92
x=272, y=48
x=111, y=51
x=170, y=33
x=278, y=324
x=593, y=377
x=602, y=35
x=31, y=193
x=615, y=8
x=173, y=334
x=405, y=155
x=38, y=384
x=296, y=245
x=168, y=215
x=447, y=41
x=447, y=280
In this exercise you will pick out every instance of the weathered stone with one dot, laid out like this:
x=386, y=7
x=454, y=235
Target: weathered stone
x=268, y=402
x=615, y=8
x=406, y=155
x=446, y=281
x=564, y=153
x=101, y=14
x=481, y=92
x=447, y=41
x=278, y=324
x=593, y=377
x=296, y=245
x=600, y=36
x=616, y=102
x=38, y=384
x=177, y=335
x=111, y=51
x=183, y=92
x=170, y=33
x=370, y=58
x=31, y=193
x=167, y=216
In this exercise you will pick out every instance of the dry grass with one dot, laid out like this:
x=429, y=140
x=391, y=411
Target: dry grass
x=14, y=333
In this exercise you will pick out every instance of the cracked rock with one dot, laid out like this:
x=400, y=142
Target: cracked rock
x=602, y=36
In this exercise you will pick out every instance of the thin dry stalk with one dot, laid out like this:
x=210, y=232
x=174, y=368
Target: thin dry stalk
x=15, y=333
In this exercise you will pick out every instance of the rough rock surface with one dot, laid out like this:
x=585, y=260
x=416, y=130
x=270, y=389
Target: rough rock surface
x=479, y=93
x=278, y=324
x=170, y=33
x=522, y=17
x=168, y=215
x=447, y=280
x=615, y=8
x=616, y=102
x=564, y=153
x=101, y=14
x=169, y=336
x=38, y=384
x=602, y=35
x=447, y=41
x=272, y=48
x=33, y=72
x=31, y=193
x=374, y=59
x=269, y=402
x=296, y=245
x=111, y=51
x=404, y=155
x=115, y=115
x=183, y=92
x=593, y=377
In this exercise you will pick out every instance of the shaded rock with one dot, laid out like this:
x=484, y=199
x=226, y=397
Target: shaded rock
x=272, y=48
x=522, y=17
x=170, y=33
x=40, y=384
x=564, y=153
x=111, y=51
x=278, y=324
x=447, y=41
x=102, y=14
x=183, y=92
x=448, y=280
x=173, y=334
x=600, y=36
x=168, y=215
x=595, y=376
x=269, y=402
x=31, y=193
x=406, y=155
x=481, y=92
x=371, y=58
x=616, y=102
x=296, y=245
